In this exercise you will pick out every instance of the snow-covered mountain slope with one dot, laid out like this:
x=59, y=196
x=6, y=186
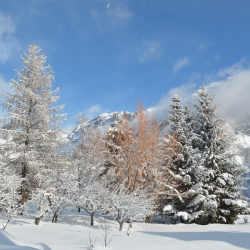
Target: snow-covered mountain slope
x=101, y=122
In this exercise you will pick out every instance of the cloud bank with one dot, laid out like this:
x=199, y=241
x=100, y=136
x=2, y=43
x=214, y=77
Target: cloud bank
x=233, y=96
x=231, y=88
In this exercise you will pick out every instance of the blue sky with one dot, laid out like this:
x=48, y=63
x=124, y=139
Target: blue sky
x=107, y=53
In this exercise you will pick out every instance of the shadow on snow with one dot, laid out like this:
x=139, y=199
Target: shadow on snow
x=239, y=239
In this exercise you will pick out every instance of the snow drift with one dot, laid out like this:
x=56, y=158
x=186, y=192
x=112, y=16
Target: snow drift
x=9, y=242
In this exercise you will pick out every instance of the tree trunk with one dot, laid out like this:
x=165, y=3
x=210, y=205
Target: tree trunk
x=23, y=195
x=79, y=209
x=23, y=187
x=54, y=219
x=149, y=218
x=92, y=219
x=130, y=223
x=121, y=224
x=211, y=219
x=37, y=221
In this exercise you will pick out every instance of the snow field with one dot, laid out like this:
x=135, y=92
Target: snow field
x=72, y=231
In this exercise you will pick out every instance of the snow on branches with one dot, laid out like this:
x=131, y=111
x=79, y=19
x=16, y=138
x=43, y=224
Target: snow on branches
x=9, y=197
x=31, y=127
x=95, y=197
x=218, y=177
x=128, y=206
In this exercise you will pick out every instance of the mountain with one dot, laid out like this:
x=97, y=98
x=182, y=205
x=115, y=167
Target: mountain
x=101, y=122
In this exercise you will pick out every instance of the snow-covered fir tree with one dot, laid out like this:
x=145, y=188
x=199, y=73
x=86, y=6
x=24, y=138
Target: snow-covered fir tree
x=217, y=190
x=31, y=128
x=179, y=156
x=181, y=124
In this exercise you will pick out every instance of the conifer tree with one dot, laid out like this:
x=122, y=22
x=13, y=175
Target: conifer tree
x=31, y=127
x=180, y=156
x=181, y=124
x=218, y=179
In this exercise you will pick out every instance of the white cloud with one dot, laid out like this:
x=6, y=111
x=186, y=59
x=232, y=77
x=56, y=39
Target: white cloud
x=233, y=96
x=7, y=40
x=108, y=5
x=232, y=70
x=150, y=51
x=183, y=91
x=93, y=111
x=180, y=64
x=113, y=16
x=203, y=46
x=231, y=87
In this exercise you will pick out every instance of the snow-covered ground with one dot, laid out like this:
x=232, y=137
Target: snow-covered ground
x=72, y=231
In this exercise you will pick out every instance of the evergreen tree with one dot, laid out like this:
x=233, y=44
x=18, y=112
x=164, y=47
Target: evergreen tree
x=31, y=126
x=181, y=124
x=180, y=156
x=217, y=198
